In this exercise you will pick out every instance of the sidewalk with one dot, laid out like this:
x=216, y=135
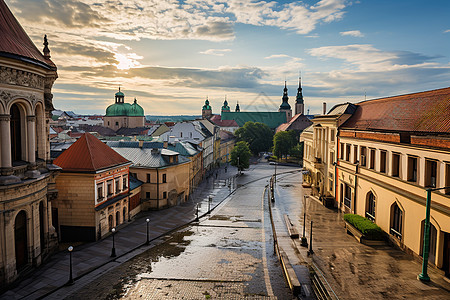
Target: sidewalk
x=351, y=269
x=130, y=240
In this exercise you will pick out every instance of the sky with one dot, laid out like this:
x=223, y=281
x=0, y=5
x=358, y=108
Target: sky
x=173, y=54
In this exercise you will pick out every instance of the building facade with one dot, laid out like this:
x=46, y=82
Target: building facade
x=89, y=213
x=388, y=152
x=27, y=177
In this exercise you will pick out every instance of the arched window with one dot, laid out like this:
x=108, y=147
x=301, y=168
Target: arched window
x=396, y=221
x=370, y=206
x=117, y=218
x=124, y=214
x=110, y=222
x=20, y=240
x=16, y=133
x=433, y=242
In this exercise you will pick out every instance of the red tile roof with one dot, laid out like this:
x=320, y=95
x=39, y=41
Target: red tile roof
x=15, y=41
x=419, y=112
x=89, y=154
x=217, y=119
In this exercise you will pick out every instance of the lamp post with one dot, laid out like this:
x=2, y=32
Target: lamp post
x=239, y=165
x=304, y=240
x=70, y=265
x=148, y=240
x=426, y=235
x=310, y=251
x=196, y=219
x=113, y=250
x=275, y=178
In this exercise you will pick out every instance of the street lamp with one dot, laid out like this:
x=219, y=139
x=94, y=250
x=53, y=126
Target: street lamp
x=70, y=264
x=239, y=165
x=275, y=178
x=148, y=240
x=196, y=219
x=209, y=204
x=113, y=250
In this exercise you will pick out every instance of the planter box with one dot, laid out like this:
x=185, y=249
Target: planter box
x=360, y=237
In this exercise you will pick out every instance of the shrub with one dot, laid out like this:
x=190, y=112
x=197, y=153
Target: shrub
x=370, y=230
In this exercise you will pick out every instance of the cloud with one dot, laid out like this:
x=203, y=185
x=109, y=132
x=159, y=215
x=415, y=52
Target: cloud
x=447, y=31
x=366, y=57
x=216, y=52
x=277, y=56
x=354, y=33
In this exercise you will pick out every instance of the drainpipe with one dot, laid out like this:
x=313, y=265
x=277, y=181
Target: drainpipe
x=356, y=185
x=157, y=188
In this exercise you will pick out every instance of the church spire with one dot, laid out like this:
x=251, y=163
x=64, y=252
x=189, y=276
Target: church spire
x=299, y=103
x=285, y=107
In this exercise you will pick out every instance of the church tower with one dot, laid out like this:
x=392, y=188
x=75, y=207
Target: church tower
x=285, y=105
x=238, y=109
x=299, y=104
x=206, y=110
x=225, y=107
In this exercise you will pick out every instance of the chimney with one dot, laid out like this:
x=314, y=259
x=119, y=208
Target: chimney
x=165, y=144
x=324, y=108
x=141, y=144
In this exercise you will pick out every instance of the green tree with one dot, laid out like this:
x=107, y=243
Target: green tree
x=258, y=136
x=240, y=156
x=282, y=143
x=297, y=151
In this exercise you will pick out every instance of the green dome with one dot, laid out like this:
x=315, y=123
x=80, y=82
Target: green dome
x=285, y=105
x=206, y=106
x=118, y=109
x=119, y=93
x=135, y=110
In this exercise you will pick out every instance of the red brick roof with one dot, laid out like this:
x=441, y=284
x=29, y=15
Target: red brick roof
x=419, y=112
x=15, y=41
x=217, y=119
x=89, y=154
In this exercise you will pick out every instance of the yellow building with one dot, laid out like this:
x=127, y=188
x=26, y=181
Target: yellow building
x=165, y=173
x=94, y=190
x=227, y=142
x=27, y=177
x=389, y=152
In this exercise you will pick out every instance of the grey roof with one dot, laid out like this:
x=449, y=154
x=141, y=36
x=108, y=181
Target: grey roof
x=145, y=157
x=184, y=148
x=340, y=109
x=135, y=183
x=134, y=144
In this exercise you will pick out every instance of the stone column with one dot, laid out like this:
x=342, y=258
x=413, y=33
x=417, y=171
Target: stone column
x=5, y=132
x=31, y=136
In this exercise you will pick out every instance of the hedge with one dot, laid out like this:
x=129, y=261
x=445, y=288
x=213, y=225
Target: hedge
x=370, y=230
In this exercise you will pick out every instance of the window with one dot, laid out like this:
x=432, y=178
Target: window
x=363, y=156
x=372, y=159
x=117, y=123
x=181, y=134
x=396, y=221
x=430, y=173
x=395, y=165
x=348, y=196
x=148, y=178
x=383, y=161
x=100, y=191
x=330, y=181
x=342, y=151
x=117, y=180
x=332, y=135
x=347, y=152
x=125, y=182
x=117, y=218
x=412, y=168
x=110, y=187
x=370, y=207
x=147, y=195
x=164, y=195
x=355, y=154
x=332, y=160
x=164, y=178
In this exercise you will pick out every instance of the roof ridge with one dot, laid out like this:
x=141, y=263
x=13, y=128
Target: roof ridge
x=88, y=146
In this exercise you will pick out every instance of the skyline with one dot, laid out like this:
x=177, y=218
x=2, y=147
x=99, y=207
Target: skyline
x=171, y=55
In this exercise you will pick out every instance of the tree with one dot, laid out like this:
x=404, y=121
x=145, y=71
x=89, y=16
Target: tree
x=257, y=135
x=282, y=143
x=240, y=156
x=297, y=151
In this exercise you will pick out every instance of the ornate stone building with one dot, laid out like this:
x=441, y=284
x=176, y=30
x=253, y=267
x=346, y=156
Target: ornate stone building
x=26, y=174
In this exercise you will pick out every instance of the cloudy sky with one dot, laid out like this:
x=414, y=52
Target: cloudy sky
x=172, y=54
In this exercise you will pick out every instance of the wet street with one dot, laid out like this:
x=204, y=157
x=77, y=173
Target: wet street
x=226, y=255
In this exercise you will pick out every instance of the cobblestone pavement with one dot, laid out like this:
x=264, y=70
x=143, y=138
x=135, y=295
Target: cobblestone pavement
x=354, y=270
x=228, y=255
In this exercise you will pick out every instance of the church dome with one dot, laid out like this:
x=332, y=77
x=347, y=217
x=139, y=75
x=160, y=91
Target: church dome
x=206, y=106
x=135, y=110
x=285, y=105
x=119, y=109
